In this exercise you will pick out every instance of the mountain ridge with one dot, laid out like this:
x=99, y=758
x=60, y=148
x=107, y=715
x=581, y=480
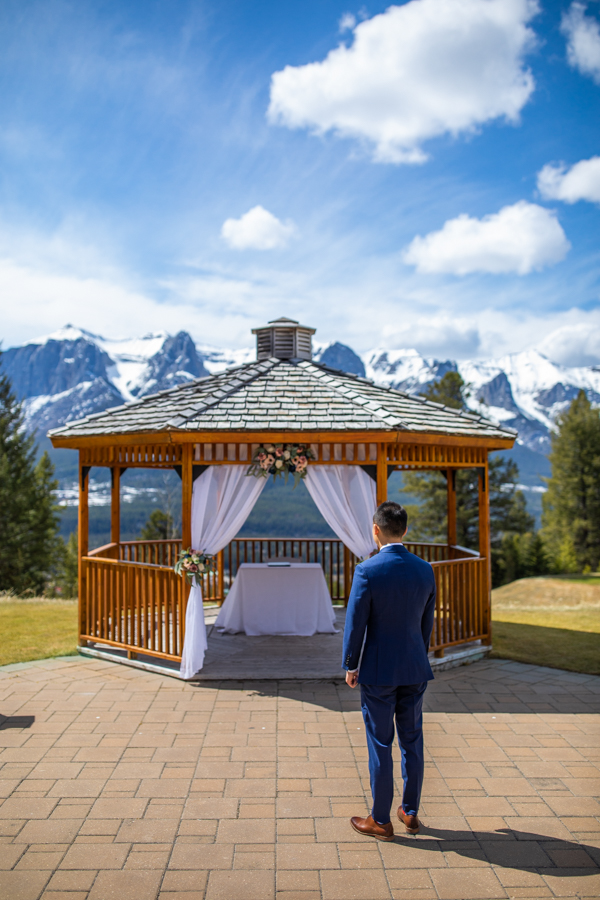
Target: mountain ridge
x=72, y=373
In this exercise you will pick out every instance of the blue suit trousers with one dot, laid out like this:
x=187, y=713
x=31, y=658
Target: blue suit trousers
x=380, y=705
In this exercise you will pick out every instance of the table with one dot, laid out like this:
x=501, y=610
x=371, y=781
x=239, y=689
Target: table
x=288, y=600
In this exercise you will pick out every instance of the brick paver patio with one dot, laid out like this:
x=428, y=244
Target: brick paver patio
x=117, y=783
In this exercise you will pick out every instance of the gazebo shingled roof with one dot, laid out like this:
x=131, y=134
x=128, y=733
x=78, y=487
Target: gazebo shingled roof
x=283, y=395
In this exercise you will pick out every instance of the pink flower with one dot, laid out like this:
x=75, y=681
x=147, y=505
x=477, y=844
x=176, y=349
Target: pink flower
x=279, y=452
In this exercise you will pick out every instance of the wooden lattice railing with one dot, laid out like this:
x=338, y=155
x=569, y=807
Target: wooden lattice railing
x=134, y=606
x=131, y=598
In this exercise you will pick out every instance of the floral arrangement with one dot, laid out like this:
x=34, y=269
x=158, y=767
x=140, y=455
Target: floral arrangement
x=281, y=459
x=194, y=565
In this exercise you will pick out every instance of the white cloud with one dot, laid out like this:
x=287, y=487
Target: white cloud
x=519, y=238
x=583, y=41
x=347, y=22
x=37, y=300
x=580, y=182
x=258, y=229
x=412, y=73
x=435, y=335
x=575, y=344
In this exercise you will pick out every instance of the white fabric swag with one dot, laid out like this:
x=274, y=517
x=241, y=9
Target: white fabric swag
x=346, y=498
x=222, y=499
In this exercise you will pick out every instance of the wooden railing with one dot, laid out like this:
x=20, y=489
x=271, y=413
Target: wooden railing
x=439, y=552
x=337, y=561
x=159, y=553
x=136, y=606
x=429, y=552
x=462, y=605
x=131, y=598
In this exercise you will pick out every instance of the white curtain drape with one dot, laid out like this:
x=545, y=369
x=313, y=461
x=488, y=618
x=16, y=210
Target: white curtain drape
x=346, y=498
x=222, y=499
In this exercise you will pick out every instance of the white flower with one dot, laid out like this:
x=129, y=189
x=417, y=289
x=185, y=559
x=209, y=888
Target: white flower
x=278, y=464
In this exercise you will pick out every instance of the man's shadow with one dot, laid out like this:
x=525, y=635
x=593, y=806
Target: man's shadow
x=16, y=722
x=508, y=848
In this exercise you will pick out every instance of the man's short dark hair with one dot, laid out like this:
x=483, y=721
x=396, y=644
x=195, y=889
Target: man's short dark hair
x=391, y=518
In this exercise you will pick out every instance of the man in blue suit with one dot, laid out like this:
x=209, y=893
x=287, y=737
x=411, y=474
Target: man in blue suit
x=393, y=602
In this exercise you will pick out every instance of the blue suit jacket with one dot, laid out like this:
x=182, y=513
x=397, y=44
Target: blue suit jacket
x=393, y=601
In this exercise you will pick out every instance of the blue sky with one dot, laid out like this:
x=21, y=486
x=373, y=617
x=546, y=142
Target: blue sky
x=373, y=171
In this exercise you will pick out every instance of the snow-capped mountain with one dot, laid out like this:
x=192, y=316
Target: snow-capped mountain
x=72, y=373
x=525, y=390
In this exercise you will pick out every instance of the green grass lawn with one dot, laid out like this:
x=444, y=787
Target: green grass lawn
x=37, y=629
x=549, y=622
x=544, y=621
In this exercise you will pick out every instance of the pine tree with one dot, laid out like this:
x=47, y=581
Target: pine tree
x=68, y=573
x=571, y=506
x=508, y=512
x=158, y=527
x=29, y=543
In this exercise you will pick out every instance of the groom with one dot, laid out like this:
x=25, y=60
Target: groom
x=393, y=601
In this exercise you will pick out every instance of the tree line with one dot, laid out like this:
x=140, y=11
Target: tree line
x=34, y=559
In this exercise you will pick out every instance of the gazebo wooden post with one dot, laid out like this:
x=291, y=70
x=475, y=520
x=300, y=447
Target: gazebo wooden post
x=485, y=550
x=382, y=473
x=83, y=528
x=115, y=505
x=451, y=514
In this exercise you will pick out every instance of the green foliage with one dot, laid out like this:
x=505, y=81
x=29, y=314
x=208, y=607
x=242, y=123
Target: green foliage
x=159, y=527
x=450, y=390
x=67, y=578
x=29, y=517
x=509, y=519
x=520, y=556
x=571, y=506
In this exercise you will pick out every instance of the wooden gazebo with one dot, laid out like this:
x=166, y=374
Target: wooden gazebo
x=129, y=597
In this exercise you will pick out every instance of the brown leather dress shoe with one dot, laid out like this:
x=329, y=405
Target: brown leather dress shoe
x=411, y=823
x=370, y=828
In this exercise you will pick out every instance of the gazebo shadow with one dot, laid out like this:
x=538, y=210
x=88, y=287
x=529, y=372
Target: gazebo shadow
x=508, y=848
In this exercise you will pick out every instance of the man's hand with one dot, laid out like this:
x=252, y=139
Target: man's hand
x=352, y=678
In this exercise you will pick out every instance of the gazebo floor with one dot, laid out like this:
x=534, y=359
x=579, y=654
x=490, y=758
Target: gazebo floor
x=270, y=657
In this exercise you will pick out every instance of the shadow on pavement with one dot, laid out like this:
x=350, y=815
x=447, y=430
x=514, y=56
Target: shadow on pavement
x=16, y=722
x=509, y=848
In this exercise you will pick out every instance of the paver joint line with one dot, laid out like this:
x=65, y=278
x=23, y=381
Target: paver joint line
x=120, y=782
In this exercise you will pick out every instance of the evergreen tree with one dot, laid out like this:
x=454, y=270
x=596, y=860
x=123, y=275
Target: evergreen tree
x=159, y=526
x=520, y=556
x=571, y=506
x=508, y=512
x=68, y=574
x=449, y=390
x=29, y=543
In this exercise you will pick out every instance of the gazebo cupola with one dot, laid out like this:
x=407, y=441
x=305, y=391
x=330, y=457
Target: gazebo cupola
x=283, y=339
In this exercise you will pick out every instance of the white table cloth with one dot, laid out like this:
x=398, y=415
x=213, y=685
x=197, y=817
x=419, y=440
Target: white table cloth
x=287, y=600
